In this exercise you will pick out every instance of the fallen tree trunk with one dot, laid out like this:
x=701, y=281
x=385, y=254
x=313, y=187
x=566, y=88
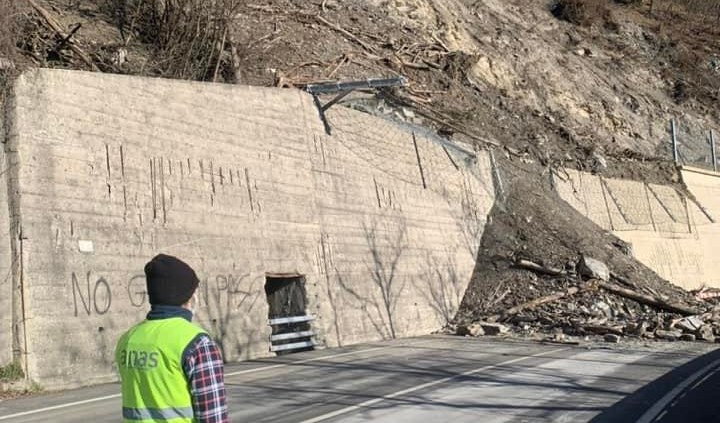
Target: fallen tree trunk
x=646, y=299
x=534, y=303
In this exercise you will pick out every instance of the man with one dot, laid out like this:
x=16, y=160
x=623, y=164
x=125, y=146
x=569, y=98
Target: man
x=170, y=369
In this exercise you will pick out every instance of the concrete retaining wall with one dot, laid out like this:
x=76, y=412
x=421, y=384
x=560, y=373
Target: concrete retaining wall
x=669, y=232
x=239, y=182
x=6, y=276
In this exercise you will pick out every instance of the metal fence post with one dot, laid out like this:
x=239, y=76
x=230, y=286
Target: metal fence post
x=674, y=140
x=712, y=150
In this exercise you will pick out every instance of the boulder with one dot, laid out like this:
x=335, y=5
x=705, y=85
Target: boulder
x=604, y=308
x=594, y=269
x=599, y=162
x=473, y=329
x=705, y=333
x=612, y=338
x=623, y=247
x=690, y=324
x=639, y=329
x=668, y=335
x=493, y=328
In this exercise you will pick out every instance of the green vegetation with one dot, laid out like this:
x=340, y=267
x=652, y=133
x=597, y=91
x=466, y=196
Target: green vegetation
x=11, y=372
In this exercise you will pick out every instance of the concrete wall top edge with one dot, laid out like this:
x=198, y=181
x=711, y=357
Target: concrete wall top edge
x=66, y=74
x=700, y=171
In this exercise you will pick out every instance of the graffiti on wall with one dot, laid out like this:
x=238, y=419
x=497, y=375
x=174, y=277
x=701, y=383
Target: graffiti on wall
x=92, y=296
x=96, y=294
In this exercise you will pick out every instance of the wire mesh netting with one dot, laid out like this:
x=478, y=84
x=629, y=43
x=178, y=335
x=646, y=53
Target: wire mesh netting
x=692, y=145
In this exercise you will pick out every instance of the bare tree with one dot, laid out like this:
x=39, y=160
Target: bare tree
x=190, y=37
x=8, y=32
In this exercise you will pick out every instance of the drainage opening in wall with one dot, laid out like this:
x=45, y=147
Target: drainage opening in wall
x=290, y=323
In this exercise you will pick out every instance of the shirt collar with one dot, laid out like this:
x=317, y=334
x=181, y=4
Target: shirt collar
x=158, y=312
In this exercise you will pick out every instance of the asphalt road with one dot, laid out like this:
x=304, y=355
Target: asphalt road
x=686, y=394
x=696, y=401
x=424, y=379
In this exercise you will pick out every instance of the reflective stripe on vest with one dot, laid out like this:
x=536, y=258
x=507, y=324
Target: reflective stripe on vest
x=157, y=413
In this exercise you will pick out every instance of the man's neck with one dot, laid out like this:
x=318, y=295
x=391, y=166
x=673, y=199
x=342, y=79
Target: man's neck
x=159, y=312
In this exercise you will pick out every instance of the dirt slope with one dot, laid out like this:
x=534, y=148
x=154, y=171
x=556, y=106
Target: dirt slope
x=506, y=70
x=531, y=222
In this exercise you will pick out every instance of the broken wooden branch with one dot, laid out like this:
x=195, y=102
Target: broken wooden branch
x=613, y=288
x=220, y=54
x=346, y=33
x=542, y=300
x=425, y=92
x=411, y=65
x=706, y=293
x=264, y=38
x=344, y=59
x=534, y=303
x=55, y=26
x=622, y=280
x=646, y=299
x=266, y=9
x=440, y=43
x=432, y=64
x=294, y=69
x=499, y=298
x=65, y=40
x=442, y=119
x=537, y=268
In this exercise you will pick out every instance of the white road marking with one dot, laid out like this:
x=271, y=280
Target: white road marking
x=293, y=363
x=423, y=386
x=701, y=381
x=657, y=410
x=259, y=369
x=59, y=406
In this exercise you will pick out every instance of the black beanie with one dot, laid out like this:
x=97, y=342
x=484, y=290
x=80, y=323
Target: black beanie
x=170, y=281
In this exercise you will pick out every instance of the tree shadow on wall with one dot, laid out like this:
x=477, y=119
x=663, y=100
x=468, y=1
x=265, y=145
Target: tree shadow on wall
x=326, y=257
x=385, y=250
x=469, y=219
x=440, y=285
x=223, y=304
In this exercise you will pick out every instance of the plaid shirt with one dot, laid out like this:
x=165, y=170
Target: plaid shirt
x=203, y=366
